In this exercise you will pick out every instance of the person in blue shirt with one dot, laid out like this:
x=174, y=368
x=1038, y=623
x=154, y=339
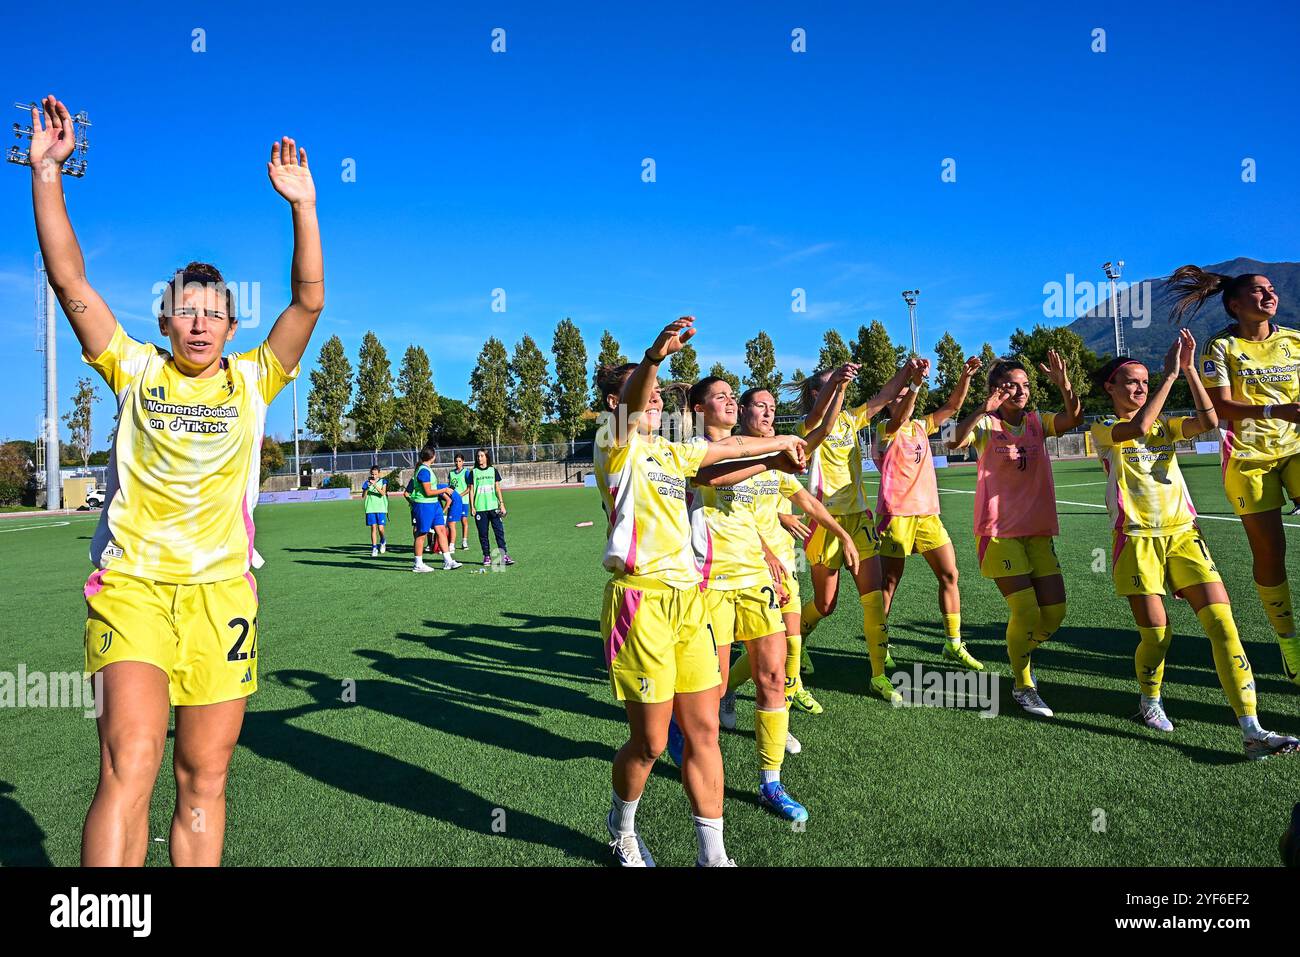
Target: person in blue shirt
x=427, y=512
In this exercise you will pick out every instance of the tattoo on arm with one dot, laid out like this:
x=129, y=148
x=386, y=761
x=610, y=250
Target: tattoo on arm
x=76, y=305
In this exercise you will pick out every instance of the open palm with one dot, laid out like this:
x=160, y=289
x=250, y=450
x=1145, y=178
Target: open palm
x=55, y=141
x=289, y=173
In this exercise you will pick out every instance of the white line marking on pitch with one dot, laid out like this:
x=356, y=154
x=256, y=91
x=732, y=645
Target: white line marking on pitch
x=24, y=528
x=1061, y=501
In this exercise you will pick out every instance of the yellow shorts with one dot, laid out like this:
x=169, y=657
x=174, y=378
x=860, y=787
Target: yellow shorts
x=823, y=548
x=203, y=637
x=903, y=535
x=743, y=614
x=1032, y=555
x=657, y=641
x=1143, y=565
x=1261, y=486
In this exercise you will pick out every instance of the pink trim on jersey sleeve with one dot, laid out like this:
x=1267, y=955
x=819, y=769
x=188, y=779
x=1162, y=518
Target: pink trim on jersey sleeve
x=248, y=526
x=629, y=561
x=252, y=582
x=622, y=624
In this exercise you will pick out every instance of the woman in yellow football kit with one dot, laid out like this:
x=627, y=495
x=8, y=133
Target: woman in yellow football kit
x=1015, y=509
x=741, y=595
x=660, y=655
x=1156, y=543
x=172, y=606
x=907, y=510
x=776, y=492
x=1251, y=370
x=835, y=478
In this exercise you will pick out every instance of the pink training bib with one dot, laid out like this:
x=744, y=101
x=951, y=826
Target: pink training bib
x=1015, y=495
x=907, y=480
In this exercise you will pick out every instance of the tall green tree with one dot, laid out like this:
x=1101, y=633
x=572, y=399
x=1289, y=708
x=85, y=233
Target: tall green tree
x=489, y=391
x=611, y=355
x=722, y=372
x=684, y=365
x=834, y=352
x=79, y=419
x=527, y=389
x=569, y=387
x=455, y=423
x=417, y=399
x=1032, y=348
x=951, y=361
x=376, y=407
x=879, y=358
x=760, y=357
x=331, y=391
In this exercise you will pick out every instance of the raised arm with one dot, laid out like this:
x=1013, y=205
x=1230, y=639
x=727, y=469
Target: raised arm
x=1055, y=370
x=952, y=405
x=821, y=414
x=966, y=427
x=291, y=178
x=1206, y=419
x=904, y=411
x=92, y=321
x=834, y=391
x=640, y=385
x=1141, y=423
x=890, y=390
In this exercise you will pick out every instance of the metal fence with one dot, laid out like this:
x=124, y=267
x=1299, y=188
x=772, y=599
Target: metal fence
x=390, y=459
x=1070, y=445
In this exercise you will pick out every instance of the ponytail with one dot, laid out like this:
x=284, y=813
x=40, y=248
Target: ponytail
x=1191, y=286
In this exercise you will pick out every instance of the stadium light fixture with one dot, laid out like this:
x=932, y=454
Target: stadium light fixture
x=1112, y=271
x=909, y=296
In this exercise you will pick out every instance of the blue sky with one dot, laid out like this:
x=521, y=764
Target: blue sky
x=775, y=170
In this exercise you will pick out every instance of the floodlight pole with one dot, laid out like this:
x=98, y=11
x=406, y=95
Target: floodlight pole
x=297, y=460
x=1112, y=271
x=53, y=487
x=909, y=296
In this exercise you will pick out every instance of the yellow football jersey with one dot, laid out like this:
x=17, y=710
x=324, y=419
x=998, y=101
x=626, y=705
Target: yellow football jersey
x=1145, y=491
x=835, y=470
x=1260, y=373
x=725, y=534
x=775, y=489
x=184, y=470
x=643, y=486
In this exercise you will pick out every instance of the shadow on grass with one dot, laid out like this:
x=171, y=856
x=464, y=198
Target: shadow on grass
x=849, y=674
x=384, y=778
x=22, y=842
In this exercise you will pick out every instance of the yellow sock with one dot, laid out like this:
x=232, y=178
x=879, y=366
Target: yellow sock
x=875, y=629
x=1049, y=620
x=740, y=672
x=808, y=618
x=952, y=627
x=793, y=683
x=770, y=729
x=1021, y=625
x=1149, y=660
x=1277, y=605
x=1230, y=660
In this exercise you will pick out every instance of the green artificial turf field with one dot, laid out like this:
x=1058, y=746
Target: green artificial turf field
x=483, y=727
